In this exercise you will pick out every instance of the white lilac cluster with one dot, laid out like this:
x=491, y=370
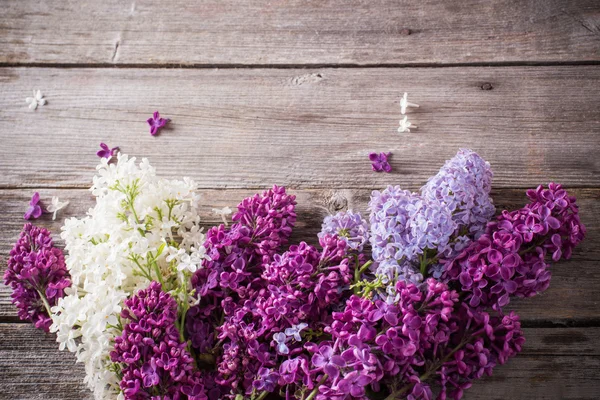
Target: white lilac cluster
x=410, y=231
x=349, y=226
x=142, y=228
x=463, y=184
x=404, y=226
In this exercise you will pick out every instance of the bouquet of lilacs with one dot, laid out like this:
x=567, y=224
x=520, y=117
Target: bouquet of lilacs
x=411, y=304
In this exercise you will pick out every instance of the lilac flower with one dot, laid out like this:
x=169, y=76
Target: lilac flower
x=510, y=258
x=105, y=152
x=329, y=362
x=463, y=185
x=154, y=363
x=37, y=275
x=35, y=209
x=380, y=162
x=267, y=380
x=149, y=375
x=349, y=227
x=354, y=384
x=295, y=331
x=280, y=339
x=404, y=226
x=156, y=122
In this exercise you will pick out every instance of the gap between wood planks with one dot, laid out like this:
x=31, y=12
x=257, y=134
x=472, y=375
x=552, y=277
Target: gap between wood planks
x=301, y=66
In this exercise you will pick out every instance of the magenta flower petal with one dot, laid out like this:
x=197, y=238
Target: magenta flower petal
x=105, y=152
x=156, y=122
x=380, y=162
x=35, y=210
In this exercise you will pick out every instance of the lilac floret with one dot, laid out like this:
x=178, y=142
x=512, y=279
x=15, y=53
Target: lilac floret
x=349, y=227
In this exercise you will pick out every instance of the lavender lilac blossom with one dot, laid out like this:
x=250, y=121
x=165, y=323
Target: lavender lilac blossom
x=349, y=226
x=37, y=275
x=405, y=228
x=463, y=185
x=511, y=258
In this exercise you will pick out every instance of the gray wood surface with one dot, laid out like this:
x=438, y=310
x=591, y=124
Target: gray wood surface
x=293, y=32
x=297, y=93
x=303, y=128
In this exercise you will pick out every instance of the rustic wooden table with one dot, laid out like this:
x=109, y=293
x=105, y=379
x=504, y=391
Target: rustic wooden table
x=297, y=93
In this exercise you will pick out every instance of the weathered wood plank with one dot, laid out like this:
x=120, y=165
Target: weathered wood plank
x=558, y=363
x=303, y=128
x=235, y=32
x=574, y=295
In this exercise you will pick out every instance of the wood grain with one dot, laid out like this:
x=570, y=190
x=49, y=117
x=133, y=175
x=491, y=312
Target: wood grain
x=298, y=32
x=303, y=128
x=555, y=364
x=573, y=297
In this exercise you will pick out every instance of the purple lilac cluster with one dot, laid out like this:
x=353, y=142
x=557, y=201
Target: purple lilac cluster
x=349, y=226
x=230, y=277
x=463, y=185
x=149, y=357
x=264, y=335
x=404, y=227
x=512, y=257
x=410, y=231
x=37, y=275
x=398, y=350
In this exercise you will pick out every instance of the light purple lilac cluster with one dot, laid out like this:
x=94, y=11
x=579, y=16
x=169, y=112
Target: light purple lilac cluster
x=463, y=185
x=148, y=355
x=511, y=258
x=405, y=230
x=37, y=275
x=349, y=226
x=410, y=231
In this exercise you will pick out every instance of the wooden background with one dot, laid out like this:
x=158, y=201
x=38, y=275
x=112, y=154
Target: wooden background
x=297, y=93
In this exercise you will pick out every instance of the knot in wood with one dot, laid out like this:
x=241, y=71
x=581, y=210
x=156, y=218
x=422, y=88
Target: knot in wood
x=337, y=202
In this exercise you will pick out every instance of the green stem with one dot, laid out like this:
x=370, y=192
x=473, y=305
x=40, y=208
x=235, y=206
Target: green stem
x=359, y=271
x=263, y=394
x=158, y=273
x=316, y=389
x=46, y=304
x=424, y=264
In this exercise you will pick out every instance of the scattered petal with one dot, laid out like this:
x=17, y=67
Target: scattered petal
x=105, y=152
x=56, y=206
x=36, y=100
x=35, y=209
x=223, y=212
x=156, y=122
x=405, y=125
x=404, y=104
x=380, y=162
